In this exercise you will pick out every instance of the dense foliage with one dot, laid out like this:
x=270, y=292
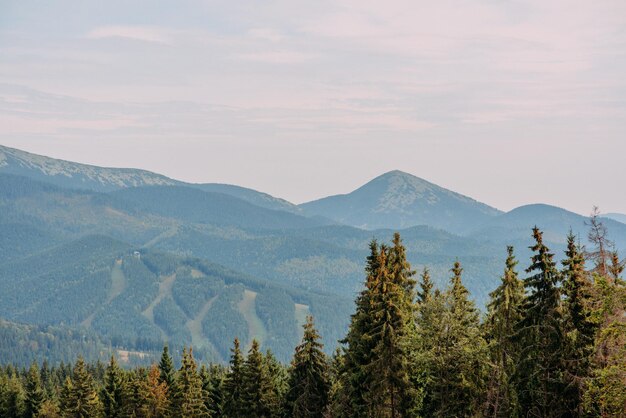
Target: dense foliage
x=551, y=344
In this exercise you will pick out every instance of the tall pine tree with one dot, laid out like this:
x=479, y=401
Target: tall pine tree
x=349, y=398
x=390, y=391
x=35, y=395
x=113, y=391
x=166, y=367
x=258, y=396
x=504, y=313
x=157, y=402
x=309, y=383
x=425, y=292
x=578, y=326
x=82, y=400
x=541, y=388
x=451, y=352
x=189, y=397
x=234, y=385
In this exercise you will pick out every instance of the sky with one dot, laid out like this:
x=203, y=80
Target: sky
x=508, y=102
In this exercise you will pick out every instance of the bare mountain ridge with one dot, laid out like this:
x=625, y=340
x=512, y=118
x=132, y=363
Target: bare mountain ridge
x=106, y=179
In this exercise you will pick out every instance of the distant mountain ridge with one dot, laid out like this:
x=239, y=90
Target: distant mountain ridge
x=554, y=221
x=619, y=217
x=106, y=179
x=398, y=200
x=70, y=174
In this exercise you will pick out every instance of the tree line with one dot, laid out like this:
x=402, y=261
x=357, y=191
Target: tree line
x=551, y=344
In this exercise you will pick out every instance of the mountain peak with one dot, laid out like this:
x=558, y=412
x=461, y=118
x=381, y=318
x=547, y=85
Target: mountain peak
x=397, y=199
x=399, y=174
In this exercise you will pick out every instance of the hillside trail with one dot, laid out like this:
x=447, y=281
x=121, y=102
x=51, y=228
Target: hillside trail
x=165, y=290
x=168, y=233
x=118, y=283
x=195, y=327
x=247, y=307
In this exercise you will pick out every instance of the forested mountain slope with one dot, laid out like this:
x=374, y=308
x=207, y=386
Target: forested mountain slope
x=140, y=299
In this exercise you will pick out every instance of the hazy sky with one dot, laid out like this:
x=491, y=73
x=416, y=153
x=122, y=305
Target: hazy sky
x=509, y=102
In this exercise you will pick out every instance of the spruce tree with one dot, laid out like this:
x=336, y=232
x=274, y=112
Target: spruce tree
x=35, y=395
x=189, y=397
x=113, y=391
x=431, y=324
x=426, y=287
x=215, y=390
x=279, y=382
x=166, y=367
x=134, y=394
x=390, y=390
x=579, y=328
x=234, y=385
x=258, y=394
x=606, y=389
x=309, y=383
x=157, y=402
x=540, y=372
x=349, y=398
x=451, y=352
x=47, y=379
x=504, y=313
x=83, y=401
x=12, y=400
x=65, y=398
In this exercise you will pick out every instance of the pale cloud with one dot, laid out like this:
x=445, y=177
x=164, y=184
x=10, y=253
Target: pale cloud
x=460, y=92
x=268, y=34
x=277, y=57
x=135, y=33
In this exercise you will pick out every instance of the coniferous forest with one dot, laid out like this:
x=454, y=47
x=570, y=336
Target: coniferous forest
x=551, y=343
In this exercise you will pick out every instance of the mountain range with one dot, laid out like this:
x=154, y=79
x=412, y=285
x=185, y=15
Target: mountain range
x=619, y=217
x=138, y=258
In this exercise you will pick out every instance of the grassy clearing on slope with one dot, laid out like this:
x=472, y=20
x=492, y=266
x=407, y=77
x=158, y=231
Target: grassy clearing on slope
x=198, y=339
x=247, y=307
x=165, y=289
x=118, y=283
x=302, y=311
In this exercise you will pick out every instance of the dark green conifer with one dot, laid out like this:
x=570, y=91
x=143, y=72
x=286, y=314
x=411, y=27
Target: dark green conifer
x=113, y=391
x=579, y=327
x=11, y=396
x=540, y=371
x=350, y=394
x=452, y=353
x=258, y=395
x=234, y=385
x=166, y=367
x=35, y=395
x=83, y=401
x=65, y=397
x=390, y=391
x=279, y=382
x=504, y=313
x=309, y=383
x=426, y=286
x=189, y=399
